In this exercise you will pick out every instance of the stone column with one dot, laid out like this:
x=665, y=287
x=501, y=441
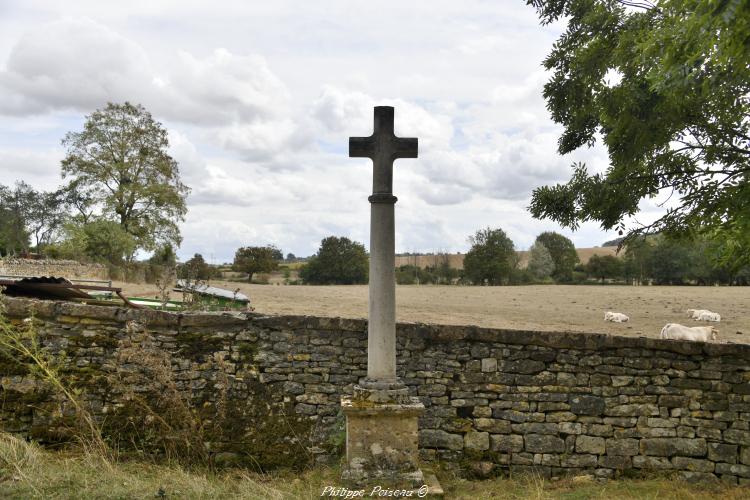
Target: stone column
x=381, y=332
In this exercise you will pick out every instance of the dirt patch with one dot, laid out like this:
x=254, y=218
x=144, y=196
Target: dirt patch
x=545, y=308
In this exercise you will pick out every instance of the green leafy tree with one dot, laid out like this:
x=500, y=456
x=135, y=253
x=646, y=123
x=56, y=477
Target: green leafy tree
x=196, y=268
x=665, y=85
x=101, y=241
x=80, y=199
x=252, y=260
x=162, y=271
x=563, y=253
x=638, y=260
x=17, y=206
x=491, y=259
x=670, y=262
x=164, y=255
x=541, y=266
x=339, y=261
x=119, y=163
x=604, y=267
x=277, y=253
x=46, y=216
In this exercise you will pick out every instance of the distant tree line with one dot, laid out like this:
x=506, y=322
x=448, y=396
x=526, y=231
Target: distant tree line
x=658, y=260
x=667, y=261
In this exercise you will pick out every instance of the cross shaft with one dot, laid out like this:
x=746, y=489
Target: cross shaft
x=383, y=147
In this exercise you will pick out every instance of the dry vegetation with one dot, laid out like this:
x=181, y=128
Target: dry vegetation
x=28, y=471
x=539, y=307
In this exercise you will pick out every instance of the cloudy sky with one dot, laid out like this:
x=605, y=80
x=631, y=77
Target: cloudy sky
x=260, y=97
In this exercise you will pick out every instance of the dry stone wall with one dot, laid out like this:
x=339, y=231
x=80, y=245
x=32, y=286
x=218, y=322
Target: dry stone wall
x=495, y=399
x=59, y=268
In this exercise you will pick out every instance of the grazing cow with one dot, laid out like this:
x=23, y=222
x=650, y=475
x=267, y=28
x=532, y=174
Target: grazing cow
x=674, y=331
x=615, y=317
x=709, y=316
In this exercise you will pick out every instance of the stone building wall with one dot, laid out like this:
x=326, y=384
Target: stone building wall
x=59, y=268
x=495, y=399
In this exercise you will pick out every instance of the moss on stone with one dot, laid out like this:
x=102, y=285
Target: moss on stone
x=106, y=341
x=10, y=366
x=198, y=345
x=246, y=350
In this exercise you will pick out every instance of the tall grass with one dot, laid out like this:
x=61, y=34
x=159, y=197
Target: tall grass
x=20, y=343
x=28, y=471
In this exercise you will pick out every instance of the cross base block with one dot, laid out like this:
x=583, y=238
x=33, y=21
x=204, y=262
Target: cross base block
x=382, y=441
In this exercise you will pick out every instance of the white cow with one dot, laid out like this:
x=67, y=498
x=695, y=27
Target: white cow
x=694, y=313
x=709, y=316
x=674, y=331
x=615, y=317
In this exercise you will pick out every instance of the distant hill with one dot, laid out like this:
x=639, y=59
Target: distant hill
x=457, y=260
x=613, y=243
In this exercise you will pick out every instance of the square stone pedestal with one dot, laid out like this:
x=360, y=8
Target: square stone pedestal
x=382, y=442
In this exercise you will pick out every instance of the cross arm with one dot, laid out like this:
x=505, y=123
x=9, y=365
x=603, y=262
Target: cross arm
x=406, y=147
x=362, y=147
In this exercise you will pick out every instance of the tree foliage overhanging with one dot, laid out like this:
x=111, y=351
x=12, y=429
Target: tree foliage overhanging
x=677, y=121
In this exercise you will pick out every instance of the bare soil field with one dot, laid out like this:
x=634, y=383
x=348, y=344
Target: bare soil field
x=540, y=307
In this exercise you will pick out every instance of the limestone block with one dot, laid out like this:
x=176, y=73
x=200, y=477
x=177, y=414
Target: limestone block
x=734, y=469
x=543, y=443
x=506, y=442
x=482, y=411
x=536, y=428
x=492, y=425
x=434, y=438
x=587, y=405
x=588, y=444
x=719, y=452
x=697, y=477
x=578, y=461
x=489, y=365
x=615, y=462
x=477, y=440
x=624, y=447
x=621, y=381
x=601, y=430
x=381, y=438
x=693, y=464
x=667, y=447
x=661, y=463
x=560, y=416
x=735, y=436
x=632, y=410
x=570, y=428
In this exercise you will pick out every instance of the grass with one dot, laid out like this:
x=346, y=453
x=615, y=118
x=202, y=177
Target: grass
x=29, y=471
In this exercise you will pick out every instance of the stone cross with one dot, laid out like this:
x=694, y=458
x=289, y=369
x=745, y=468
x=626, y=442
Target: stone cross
x=382, y=147
x=382, y=419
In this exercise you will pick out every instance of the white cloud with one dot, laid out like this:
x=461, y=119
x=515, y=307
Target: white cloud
x=261, y=98
x=41, y=169
x=223, y=88
x=76, y=63
x=70, y=63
